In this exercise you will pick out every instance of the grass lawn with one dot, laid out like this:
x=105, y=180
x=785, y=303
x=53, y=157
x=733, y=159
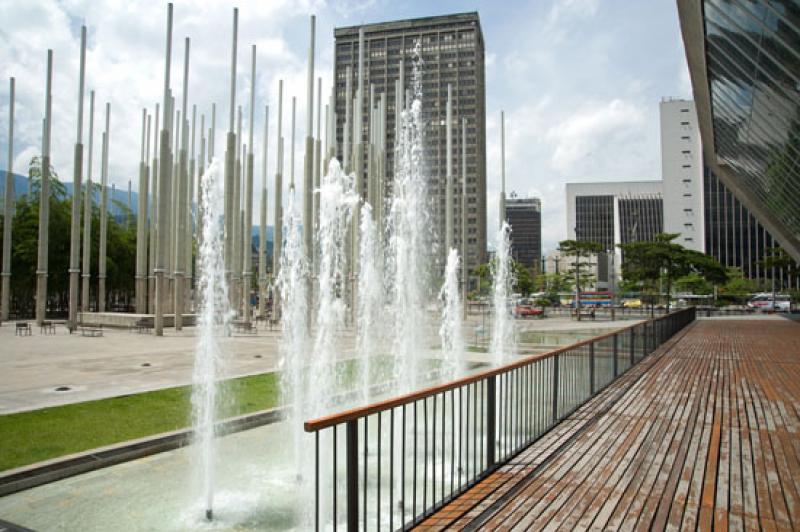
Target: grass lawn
x=30, y=437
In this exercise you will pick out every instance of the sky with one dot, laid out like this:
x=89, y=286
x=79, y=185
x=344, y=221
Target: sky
x=579, y=80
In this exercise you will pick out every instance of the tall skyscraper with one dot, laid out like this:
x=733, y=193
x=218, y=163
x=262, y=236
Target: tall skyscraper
x=524, y=215
x=682, y=173
x=452, y=50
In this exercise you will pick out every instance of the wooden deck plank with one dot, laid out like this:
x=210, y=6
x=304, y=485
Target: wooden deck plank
x=704, y=434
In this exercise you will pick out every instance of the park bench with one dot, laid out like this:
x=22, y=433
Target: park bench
x=243, y=326
x=47, y=327
x=584, y=313
x=91, y=331
x=143, y=326
x=23, y=328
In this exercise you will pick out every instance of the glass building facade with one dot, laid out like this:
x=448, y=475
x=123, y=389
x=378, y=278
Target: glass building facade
x=594, y=220
x=744, y=59
x=524, y=215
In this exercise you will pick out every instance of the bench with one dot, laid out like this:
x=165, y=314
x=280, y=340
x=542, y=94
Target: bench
x=91, y=331
x=583, y=314
x=47, y=327
x=143, y=326
x=243, y=326
x=23, y=328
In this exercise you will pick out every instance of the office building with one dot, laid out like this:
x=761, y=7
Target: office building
x=452, y=50
x=611, y=213
x=682, y=173
x=524, y=215
x=744, y=66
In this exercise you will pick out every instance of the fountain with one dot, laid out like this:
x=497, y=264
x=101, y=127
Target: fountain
x=451, y=332
x=213, y=323
x=292, y=288
x=370, y=298
x=409, y=242
x=502, y=346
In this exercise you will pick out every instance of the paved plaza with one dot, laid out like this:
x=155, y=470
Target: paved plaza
x=121, y=362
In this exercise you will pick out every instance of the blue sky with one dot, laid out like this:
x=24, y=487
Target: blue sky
x=580, y=80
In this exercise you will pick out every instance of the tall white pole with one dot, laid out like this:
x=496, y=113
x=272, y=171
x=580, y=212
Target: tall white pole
x=141, y=226
x=278, y=224
x=262, y=234
x=164, y=178
x=87, y=214
x=449, y=204
x=348, y=118
x=75, y=225
x=8, y=209
x=308, y=162
x=502, y=167
x=291, y=161
x=247, y=270
x=181, y=193
x=464, y=247
x=44, y=198
x=231, y=213
x=154, y=223
x=317, y=160
x=101, y=263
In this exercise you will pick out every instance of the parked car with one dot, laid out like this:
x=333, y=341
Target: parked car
x=632, y=303
x=525, y=308
x=765, y=302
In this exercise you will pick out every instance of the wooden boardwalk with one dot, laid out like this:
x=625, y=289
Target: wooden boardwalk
x=704, y=434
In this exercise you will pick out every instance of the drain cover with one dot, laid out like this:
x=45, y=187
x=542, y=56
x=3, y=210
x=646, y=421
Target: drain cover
x=63, y=389
x=256, y=356
x=146, y=365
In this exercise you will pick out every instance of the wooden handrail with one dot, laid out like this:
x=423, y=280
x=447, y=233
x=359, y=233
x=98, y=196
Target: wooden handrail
x=317, y=424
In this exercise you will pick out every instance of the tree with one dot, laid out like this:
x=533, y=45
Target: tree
x=780, y=263
x=581, y=251
x=523, y=280
x=662, y=260
x=694, y=283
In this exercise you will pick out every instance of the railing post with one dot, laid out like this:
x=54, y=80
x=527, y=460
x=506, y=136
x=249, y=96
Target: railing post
x=352, y=475
x=633, y=346
x=591, y=369
x=491, y=412
x=616, y=369
x=555, y=389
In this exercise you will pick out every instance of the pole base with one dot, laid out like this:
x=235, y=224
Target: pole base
x=209, y=514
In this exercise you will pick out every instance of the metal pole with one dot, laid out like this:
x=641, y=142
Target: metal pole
x=181, y=193
x=352, y=475
x=317, y=165
x=308, y=163
x=464, y=247
x=262, y=240
x=75, y=222
x=101, y=263
x=278, y=213
x=503, y=170
x=44, y=199
x=8, y=208
x=154, y=188
x=141, y=220
x=247, y=270
x=348, y=118
x=230, y=213
x=449, y=204
x=164, y=177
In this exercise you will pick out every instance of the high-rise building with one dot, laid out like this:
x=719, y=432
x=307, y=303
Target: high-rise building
x=735, y=238
x=524, y=215
x=682, y=173
x=612, y=213
x=452, y=51
x=745, y=72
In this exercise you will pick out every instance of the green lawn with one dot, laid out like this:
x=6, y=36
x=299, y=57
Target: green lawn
x=30, y=437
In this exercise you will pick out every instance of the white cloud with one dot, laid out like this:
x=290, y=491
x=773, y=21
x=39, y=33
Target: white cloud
x=589, y=130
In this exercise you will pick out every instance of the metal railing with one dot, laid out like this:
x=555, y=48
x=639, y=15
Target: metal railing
x=404, y=458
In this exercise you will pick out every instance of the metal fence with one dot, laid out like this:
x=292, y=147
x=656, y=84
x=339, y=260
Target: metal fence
x=391, y=464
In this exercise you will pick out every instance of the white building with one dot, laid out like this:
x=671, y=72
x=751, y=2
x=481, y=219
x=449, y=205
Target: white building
x=682, y=173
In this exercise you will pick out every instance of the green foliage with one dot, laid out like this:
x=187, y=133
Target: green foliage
x=523, y=280
x=121, y=245
x=582, y=251
x=664, y=261
x=694, y=283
